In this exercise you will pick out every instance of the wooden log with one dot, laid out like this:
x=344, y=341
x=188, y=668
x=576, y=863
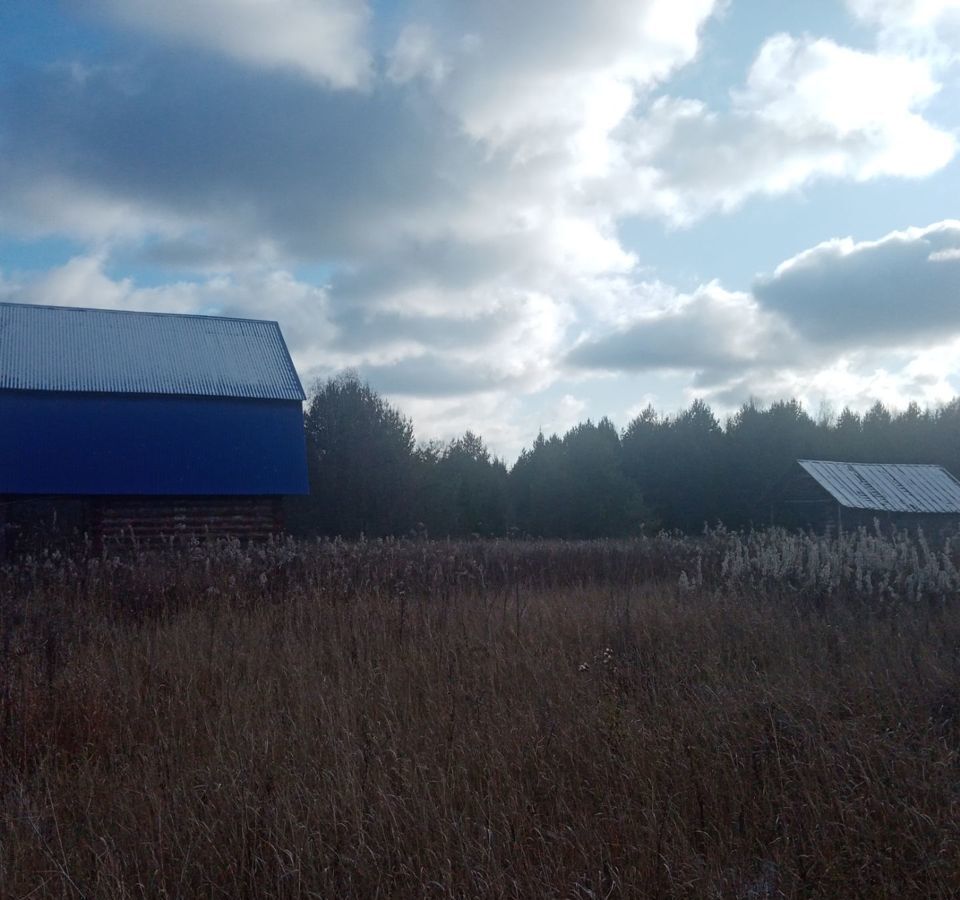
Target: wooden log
x=151, y=519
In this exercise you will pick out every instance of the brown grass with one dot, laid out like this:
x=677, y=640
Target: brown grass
x=469, y=720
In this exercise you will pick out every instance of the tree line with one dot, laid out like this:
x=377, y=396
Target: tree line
x=370, y=476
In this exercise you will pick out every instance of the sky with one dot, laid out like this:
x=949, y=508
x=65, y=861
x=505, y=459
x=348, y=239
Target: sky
x=507, y=216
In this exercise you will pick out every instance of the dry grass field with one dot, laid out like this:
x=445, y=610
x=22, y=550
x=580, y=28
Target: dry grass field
x=727, y=716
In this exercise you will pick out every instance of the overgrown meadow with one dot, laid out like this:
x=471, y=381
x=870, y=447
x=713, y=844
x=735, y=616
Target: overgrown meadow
x=742, y=716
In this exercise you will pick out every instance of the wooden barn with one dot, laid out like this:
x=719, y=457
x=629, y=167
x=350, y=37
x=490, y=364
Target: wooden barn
x=843, y=495
x=147, y=424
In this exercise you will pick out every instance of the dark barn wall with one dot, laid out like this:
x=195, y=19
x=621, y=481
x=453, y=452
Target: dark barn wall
x=113, y=444
x=28, y=523
x=160, y=518
x=802, y=502
x=798, y=501
x=935, y=526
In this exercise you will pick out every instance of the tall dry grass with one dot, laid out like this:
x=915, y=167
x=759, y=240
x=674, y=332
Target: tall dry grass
x=639, y=719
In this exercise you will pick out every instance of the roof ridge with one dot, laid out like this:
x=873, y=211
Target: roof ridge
x=138, y=312
x=847, y=462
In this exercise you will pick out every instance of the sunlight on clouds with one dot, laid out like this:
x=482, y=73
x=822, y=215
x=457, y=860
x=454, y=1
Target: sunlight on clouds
x=806, y=87
x=504, y=428
x=525, y=75
x=846, y=321
x=923, y=28
x=581, y=246
x=860, y=385
x=799, y=84
x=905, y=14
x=810, y=109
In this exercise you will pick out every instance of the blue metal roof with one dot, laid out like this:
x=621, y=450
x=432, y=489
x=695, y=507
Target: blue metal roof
x=68, y=349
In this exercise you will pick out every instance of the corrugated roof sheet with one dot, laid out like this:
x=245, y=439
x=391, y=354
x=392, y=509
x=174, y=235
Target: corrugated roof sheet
x=58, y=348
x=887, y=487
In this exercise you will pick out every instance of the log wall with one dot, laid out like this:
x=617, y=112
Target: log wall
x=156, y=519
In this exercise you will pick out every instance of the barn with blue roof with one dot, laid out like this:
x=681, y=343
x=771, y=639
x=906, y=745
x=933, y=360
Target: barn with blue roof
x=160, y=423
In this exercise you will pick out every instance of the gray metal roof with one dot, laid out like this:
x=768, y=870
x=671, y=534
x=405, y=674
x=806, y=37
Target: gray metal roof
x=887, y=487
x=58, y=348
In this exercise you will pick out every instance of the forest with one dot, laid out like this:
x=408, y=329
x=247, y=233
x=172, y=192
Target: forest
x=369, y=475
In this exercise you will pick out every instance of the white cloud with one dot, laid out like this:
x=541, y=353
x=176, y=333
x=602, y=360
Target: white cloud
x=856, y=381
x=926, y=27
x=810, y=109
x=59, y=204
x=82, y=282
x=802, y=86
x=950, y=255
x=709, y=331
x=415, y=55
x=324, y=40
x=847, y=322
x=520, y=74
x=499, y=419
x=564, y=414
x=899, y=290
x=905, y=13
